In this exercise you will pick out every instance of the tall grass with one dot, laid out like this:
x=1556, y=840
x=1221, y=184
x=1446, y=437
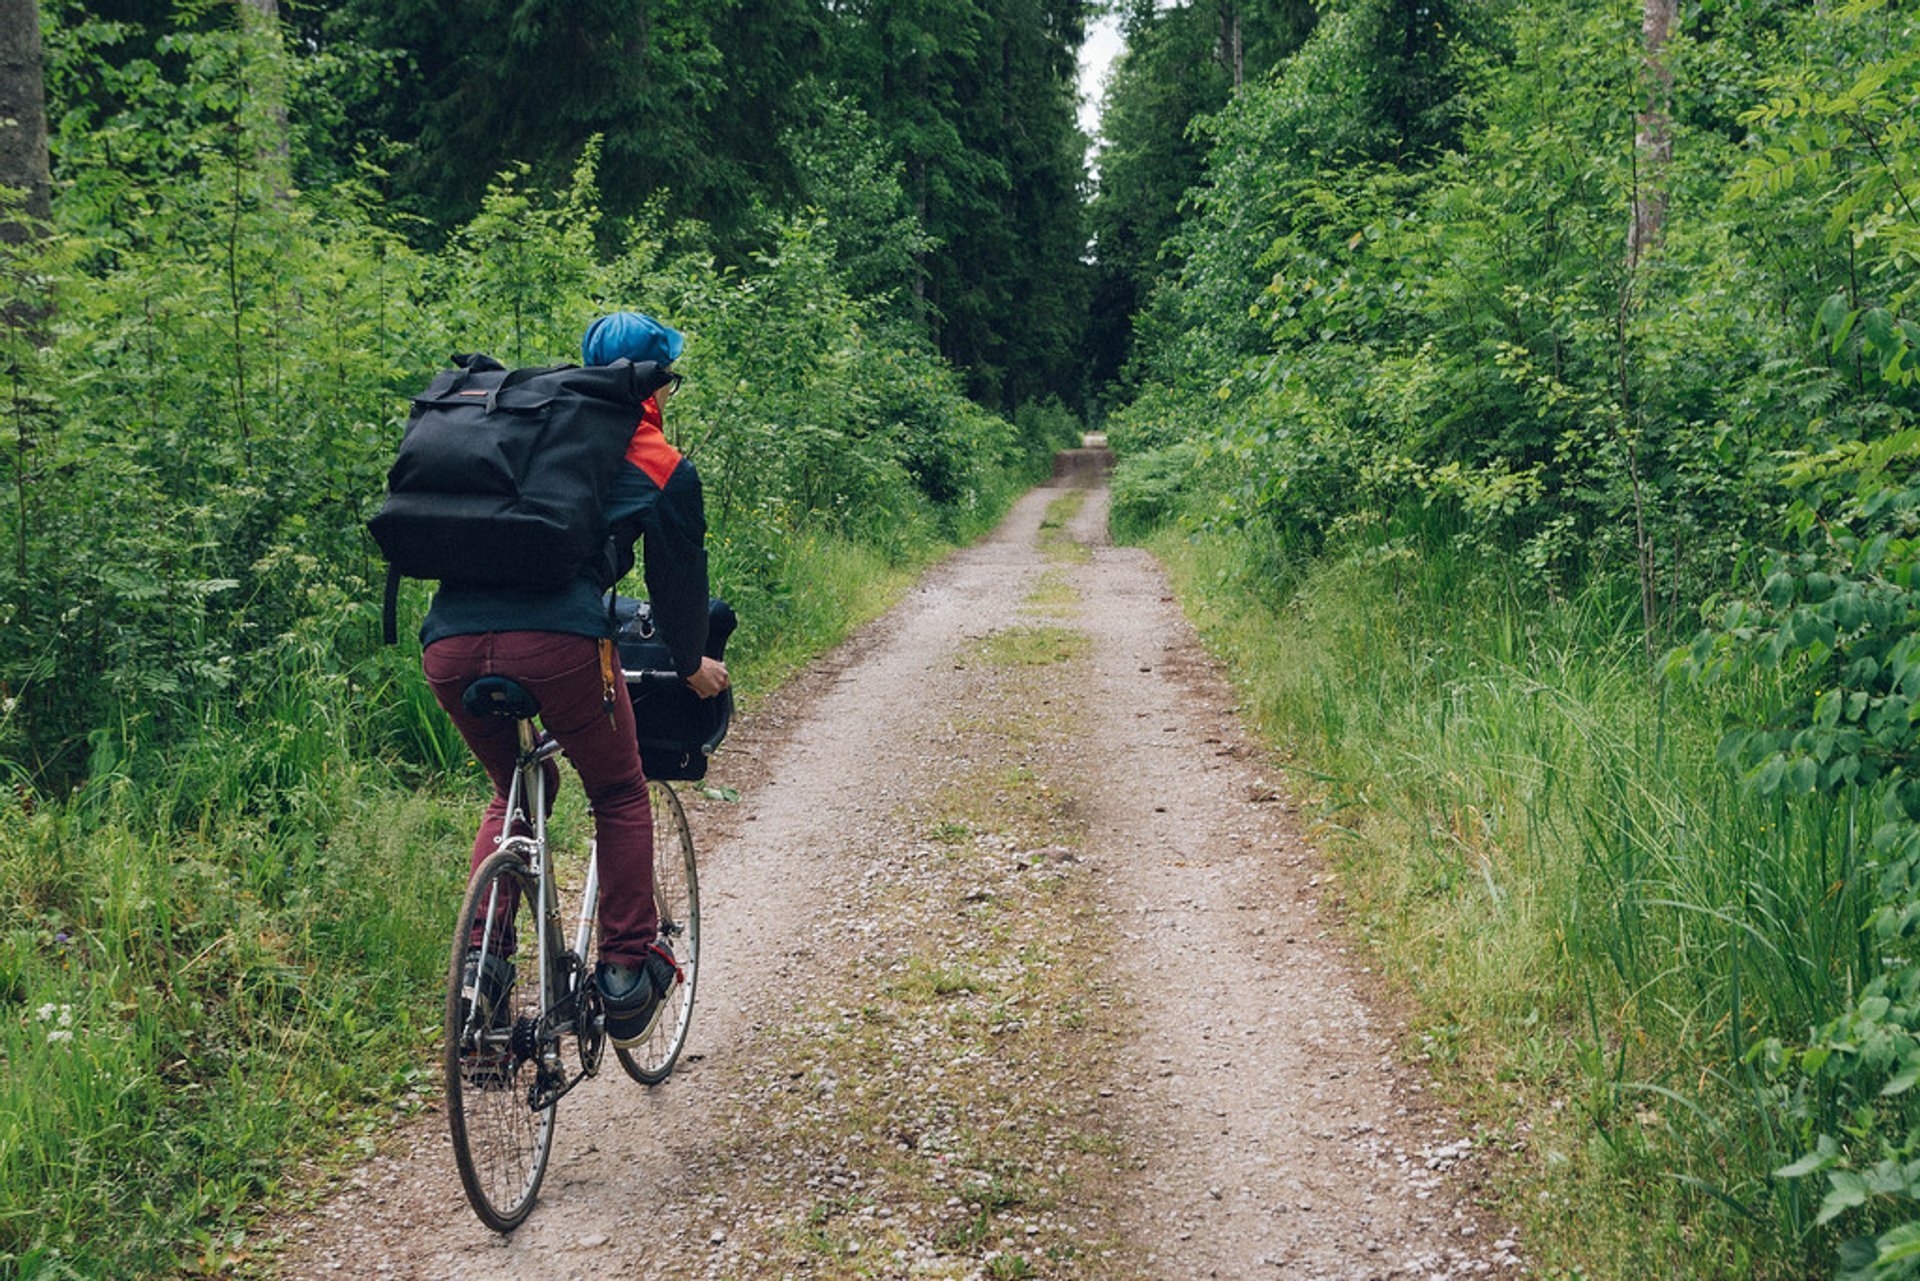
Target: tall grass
x=197, y=1001
x=1598, y=925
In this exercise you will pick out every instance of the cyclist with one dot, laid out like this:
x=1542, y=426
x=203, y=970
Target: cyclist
x=558, y=644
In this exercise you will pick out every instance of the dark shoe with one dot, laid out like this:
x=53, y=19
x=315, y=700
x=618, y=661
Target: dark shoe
x=633, y=997
x=487, y=985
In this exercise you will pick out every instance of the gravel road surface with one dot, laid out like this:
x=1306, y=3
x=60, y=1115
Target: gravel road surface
x=1017, y=962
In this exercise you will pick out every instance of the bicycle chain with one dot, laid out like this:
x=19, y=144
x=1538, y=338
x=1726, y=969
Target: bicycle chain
x=549, y=1085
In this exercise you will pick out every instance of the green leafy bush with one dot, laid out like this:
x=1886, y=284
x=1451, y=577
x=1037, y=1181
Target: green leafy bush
x=1150, y=488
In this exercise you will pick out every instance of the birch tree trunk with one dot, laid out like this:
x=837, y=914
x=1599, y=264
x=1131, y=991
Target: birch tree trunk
x=1653, y=156
x=1653, y=146
x=267, y=85
x=1233, y=54
x=23, y=117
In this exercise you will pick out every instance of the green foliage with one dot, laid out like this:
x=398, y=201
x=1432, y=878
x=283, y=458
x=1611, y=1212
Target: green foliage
x=537, y=257
x=962, y=136
x=976, y=100
x=846, y=173
x=949, y=123
x=1043, y=428
x=1178, y=66
x=688, y=97
x=237, y=362
x=1840, y=621
x=1837, y=616
x=1151, y=488
x=1379, y=338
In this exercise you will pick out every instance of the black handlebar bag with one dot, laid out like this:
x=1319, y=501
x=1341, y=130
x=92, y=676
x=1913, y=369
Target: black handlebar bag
x=678, y=730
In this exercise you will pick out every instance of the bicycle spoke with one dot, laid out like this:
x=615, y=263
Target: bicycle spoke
x=500, y=1143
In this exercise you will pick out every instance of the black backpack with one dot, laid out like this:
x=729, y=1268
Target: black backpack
x=502, y=474
x=677, y=728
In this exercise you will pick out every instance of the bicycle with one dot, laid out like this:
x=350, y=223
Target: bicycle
x=506, y=1039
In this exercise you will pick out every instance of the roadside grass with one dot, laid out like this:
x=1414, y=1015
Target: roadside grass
x=193, y=1007
x=947, y=1091
x=221, y=969
x=1596, y=925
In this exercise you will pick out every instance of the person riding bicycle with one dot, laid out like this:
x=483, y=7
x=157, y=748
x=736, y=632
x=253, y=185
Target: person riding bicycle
x=556, y=644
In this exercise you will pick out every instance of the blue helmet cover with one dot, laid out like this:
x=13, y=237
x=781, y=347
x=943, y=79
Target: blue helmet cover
x=630, y=335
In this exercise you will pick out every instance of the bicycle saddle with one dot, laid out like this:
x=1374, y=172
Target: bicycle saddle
x=500, y=696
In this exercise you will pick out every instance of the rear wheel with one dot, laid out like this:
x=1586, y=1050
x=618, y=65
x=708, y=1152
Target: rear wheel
x=676, y=890
x=500, y=1141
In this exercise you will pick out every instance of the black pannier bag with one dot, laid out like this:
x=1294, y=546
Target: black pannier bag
x=677, y=728
x=502, y=475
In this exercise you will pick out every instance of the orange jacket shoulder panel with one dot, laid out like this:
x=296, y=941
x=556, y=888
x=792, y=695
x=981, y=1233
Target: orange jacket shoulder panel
x=649, y=450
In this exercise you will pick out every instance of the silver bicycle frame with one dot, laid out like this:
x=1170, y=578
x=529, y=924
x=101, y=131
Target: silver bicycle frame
x=526, y=776
x=589, y=900
x=531, y=777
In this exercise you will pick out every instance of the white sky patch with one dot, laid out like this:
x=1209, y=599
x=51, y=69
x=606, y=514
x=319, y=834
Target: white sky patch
x=1102, y=46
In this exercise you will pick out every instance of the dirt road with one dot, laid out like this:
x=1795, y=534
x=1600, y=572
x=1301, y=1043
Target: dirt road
x=1015, y=966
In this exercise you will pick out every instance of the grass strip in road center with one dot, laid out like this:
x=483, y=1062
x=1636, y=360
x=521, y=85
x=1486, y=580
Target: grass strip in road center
x=1054, y=540
x=937, y=1105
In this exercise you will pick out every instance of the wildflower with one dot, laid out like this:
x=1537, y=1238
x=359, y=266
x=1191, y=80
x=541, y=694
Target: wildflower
x=60, y=1015
x=55, y=1038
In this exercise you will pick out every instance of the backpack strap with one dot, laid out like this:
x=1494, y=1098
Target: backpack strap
x=514, y=378
x=390, y=608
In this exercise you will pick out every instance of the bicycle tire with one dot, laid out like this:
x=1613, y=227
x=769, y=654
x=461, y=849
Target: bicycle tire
x=676, y=890
x=500, y=1142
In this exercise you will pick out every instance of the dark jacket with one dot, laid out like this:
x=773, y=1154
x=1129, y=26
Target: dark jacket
x=656, y=498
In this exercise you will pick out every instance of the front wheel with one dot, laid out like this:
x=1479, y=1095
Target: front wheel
x=500, y=1140
x=676, y=890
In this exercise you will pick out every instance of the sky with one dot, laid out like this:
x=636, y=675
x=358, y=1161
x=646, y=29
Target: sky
x=1096, y=55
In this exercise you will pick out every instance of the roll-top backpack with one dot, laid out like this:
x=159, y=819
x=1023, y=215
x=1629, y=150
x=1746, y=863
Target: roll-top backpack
x=502, y=475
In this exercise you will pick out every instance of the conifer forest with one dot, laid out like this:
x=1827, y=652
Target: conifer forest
x=1524, y=397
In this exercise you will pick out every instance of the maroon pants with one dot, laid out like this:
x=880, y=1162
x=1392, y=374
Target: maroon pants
x=563, y=672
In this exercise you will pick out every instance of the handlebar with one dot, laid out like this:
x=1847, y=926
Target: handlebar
x=653, y=676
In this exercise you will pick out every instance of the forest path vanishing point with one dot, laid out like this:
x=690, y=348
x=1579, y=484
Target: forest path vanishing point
x=1014, y=965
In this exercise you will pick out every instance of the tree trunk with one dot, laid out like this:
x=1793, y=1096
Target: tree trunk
x=1653, y=146
x=267, y=85
x=1232, y=50
x=23, y=118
